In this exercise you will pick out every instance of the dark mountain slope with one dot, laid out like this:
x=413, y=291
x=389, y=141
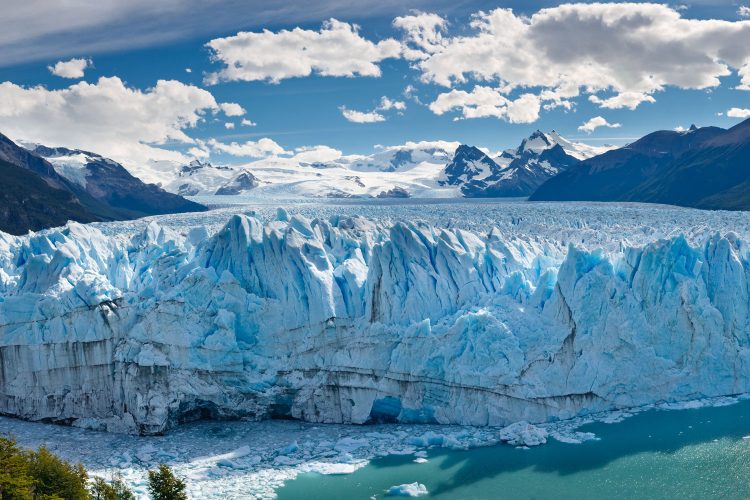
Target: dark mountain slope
x=28, y=202
x=35, y=195
x=704, y=168
x=110, y=183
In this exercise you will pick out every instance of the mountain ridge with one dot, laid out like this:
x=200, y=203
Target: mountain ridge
x=707, y=167
x=39, y=194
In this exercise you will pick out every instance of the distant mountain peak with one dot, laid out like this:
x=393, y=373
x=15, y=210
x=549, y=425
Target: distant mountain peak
x=470, y=164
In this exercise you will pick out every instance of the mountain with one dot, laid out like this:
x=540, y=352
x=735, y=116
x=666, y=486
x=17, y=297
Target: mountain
x=471, y=169
x=29, y=202
x=76, y=185
x=706, y=167
x=404, y=157
x=199, y=177
x=515, y=172
x=410, y=169
x=110, y=183
x=424, y=169
x=245, y=181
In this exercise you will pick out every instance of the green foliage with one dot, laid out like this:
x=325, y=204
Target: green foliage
x=121, y=489
x=38, y=475
x=15, y=481
x=112, y=490
x=55, y=477
x=101, y=490
x=163, y=485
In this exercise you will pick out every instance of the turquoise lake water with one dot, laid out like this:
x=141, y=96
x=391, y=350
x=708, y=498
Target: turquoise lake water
x=697, y=453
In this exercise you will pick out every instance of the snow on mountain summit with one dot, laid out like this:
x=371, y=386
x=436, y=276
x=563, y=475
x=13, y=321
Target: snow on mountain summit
x=415, y=168
x=515, y=172
x=540, y=141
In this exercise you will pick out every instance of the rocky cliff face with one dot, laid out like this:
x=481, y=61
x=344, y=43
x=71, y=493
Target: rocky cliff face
x=352, y=320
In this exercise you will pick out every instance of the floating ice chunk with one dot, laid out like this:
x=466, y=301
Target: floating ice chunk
x=523, y=434
x=349, y=444
x=146, y=453
x=573, y=437
x=289, y=449
x=407, y=490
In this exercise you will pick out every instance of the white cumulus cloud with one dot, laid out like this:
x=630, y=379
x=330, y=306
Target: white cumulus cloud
x=423, y=34
x=355, y=116
x=595, y=123
x=484, y=102
x=387, y=104
x=630, y=49
x=253, y=149
x=232, y=109
x=107, y=117
x=316, y=154
x=629, y=100
x=73, y=68
x=197, y=152
x=738, y=113
x=743, y=11
x=337, y=49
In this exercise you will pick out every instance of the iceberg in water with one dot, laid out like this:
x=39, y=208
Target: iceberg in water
x=407, y=490
x=354, y=320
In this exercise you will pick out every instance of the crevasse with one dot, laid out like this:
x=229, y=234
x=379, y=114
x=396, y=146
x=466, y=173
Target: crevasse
x=351, y=320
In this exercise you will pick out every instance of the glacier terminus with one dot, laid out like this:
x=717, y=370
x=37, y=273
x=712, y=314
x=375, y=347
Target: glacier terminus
x=317, y=314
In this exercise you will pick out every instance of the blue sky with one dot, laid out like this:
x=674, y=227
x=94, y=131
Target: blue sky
x=145, y=44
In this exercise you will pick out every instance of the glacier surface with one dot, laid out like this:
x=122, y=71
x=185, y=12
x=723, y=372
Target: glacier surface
x=529, y=312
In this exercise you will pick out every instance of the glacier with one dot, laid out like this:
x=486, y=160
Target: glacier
x=351, y=319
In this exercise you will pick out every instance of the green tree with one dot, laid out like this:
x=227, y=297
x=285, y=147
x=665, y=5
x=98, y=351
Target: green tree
x=115, y=489
x=164, y=485
x=101, y=490
x=121, y=489
x=15, y=481
x=56, y=478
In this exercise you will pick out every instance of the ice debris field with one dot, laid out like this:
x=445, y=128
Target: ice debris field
x=240, y=459
x=470, y=314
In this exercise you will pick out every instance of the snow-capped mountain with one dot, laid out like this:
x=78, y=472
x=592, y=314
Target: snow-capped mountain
x=515, y=172
x=470, y=165
x=426, y=169
x=539, y=142
x=707, y=167
x=110, y=183
x=45, y=187
x=245, y=181
x=405, y=157
x=198, y=177
x=410, y=169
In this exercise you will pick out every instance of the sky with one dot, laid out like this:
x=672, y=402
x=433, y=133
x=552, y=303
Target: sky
x=232, y=81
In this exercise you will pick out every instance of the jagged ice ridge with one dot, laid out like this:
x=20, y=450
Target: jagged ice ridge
x=356, y=320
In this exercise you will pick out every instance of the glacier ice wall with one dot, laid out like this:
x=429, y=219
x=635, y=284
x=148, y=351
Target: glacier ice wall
x=351, y=320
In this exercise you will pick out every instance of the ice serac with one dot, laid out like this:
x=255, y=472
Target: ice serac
x=353, y=320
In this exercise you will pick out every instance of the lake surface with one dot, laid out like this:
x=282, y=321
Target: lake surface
x=695, y=453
